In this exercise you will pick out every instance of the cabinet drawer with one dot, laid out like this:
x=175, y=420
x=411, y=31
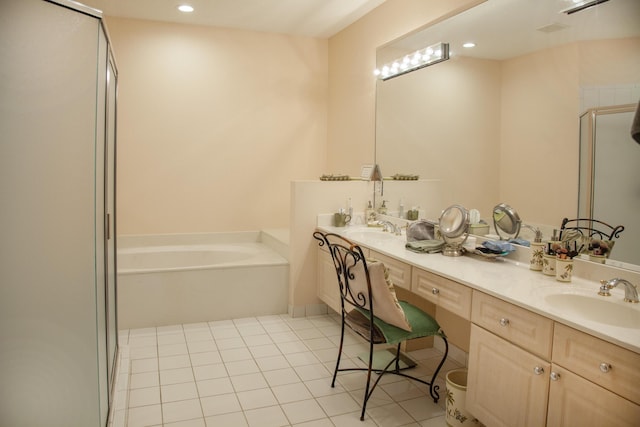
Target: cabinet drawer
x=399, y=272
x=613, y=367
x=522, y=327
x=445, y=293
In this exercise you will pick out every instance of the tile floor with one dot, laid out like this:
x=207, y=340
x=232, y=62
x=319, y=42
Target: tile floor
x=265, y=371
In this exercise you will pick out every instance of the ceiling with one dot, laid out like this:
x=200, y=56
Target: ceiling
x=506, y=28
x=312, y=18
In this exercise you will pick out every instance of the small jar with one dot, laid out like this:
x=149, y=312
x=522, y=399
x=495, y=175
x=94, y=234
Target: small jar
x=549, y=264
x=564, y=269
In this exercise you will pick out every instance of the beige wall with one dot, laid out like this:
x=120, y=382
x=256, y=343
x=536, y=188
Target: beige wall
x=540, y=115
x=214, y=124
x=444, y=123
x=352, y=89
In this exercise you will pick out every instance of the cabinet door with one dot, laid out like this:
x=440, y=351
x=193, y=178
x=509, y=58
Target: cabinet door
x=327, y=281
x=574, y=401
x=506, y=385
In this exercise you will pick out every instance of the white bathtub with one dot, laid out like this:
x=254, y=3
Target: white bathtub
x=187, y=278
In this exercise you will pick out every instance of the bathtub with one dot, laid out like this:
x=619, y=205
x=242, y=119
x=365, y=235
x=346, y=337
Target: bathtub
x=187, y=278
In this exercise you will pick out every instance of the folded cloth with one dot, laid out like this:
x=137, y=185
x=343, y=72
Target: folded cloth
x=420, y=230
x=500, y=246
x=520, y=242
x=425, y=246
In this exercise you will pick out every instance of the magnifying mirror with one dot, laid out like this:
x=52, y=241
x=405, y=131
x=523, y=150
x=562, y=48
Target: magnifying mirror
x=454, y=228
x=507, y=220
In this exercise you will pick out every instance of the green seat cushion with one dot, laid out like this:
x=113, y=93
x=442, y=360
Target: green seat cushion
x=422, y=325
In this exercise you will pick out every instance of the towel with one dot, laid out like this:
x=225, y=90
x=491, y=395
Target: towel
x=499, y=246
x=635, y=126
x=425, y=246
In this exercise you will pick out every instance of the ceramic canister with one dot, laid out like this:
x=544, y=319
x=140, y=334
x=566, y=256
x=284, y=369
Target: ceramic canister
x=456, y=411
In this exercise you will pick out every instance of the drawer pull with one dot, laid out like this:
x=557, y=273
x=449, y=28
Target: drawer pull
x=435, y=291
x=554, y=376
x=504, y=322
x=605, y=367
x=538, y=370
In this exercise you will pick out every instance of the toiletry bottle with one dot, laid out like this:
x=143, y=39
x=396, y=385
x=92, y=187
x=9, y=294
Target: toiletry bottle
x=401, y=209
x=370, y=213
x=412, y=215
x=382, y=210
x=537, y=252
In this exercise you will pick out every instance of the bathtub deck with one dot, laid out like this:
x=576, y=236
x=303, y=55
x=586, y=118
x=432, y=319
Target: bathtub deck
x=190, y=295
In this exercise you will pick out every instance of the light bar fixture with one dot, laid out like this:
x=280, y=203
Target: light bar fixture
x=582, y=5
x=414, y=61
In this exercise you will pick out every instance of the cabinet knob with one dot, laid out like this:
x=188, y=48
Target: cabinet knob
x=554, y=376
x=538, y=370
x=435, y=291
x=504, y=321
x=605, y=367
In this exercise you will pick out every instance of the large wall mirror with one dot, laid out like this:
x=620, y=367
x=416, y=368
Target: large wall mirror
x=500, y=122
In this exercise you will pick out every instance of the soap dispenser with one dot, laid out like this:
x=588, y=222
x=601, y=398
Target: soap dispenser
x=370, y=213
x=537, y=252
x=382, y=210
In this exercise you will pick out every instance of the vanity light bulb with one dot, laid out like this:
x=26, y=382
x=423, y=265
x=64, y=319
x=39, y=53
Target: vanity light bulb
x=376, y=72
x=428, y=51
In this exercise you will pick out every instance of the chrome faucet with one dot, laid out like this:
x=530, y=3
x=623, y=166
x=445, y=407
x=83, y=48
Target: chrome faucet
x=389, y=226
x=630, y=290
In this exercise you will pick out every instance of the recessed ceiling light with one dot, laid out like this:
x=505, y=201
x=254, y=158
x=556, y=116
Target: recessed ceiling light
x=185, y=8
x=469, y=45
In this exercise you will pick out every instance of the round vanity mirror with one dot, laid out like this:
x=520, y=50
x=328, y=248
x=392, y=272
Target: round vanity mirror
x=454, y=227
x=507, y=221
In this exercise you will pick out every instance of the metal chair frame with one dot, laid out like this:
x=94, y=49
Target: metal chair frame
x=346, y=255
x=608, y=233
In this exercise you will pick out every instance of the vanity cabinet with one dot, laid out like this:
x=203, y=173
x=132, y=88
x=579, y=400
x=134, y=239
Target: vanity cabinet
x=509, y=363
x=445, y=293
x=326, y=280
x=525, y=369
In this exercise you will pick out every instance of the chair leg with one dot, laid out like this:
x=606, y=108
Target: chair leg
x=335, y=372
x=366, y=389
x=433, y=389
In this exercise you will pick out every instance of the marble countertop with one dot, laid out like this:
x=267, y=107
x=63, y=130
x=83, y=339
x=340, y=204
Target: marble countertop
x=507, y=279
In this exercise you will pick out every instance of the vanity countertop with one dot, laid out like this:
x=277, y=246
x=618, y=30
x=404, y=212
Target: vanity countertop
x=508, y=280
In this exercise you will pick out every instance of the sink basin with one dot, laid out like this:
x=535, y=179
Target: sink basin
x=370, y=235
x=607, y=310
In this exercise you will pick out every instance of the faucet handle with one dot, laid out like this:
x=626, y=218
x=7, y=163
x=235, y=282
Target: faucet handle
x=604, y=288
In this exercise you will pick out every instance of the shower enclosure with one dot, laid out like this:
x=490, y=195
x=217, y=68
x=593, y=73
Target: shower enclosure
x=58, y=332
x=610, y=175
